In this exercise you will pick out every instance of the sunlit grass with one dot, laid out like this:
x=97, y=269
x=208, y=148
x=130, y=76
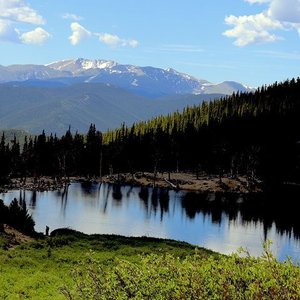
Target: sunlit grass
x=38, y=270
x=77, y=266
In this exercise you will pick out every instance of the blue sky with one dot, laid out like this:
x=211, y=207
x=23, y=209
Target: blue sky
x=250, y=41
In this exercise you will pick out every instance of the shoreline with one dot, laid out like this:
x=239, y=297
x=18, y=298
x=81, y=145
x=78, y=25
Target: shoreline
x=188, y=182
x=38, y=184
x=17, y=237
x=175, y=181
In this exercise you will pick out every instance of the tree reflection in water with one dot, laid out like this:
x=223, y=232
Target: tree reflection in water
x=279, y=208
x=160, y=212
x=32, y=202
x=117, y=193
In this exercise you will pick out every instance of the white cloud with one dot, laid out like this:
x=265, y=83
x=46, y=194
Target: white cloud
x=115, y=41
x=285, y=10
x=297, y=27
x=251, y=29
x=8, y=33
x=79, y=33
x=278, y=15
x=73, y=17
x=110, y=39
x=19, y=11
x=37, y=36
x=132, y=43
x=14, y=13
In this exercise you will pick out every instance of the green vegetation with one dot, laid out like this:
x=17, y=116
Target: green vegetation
x=39, y=269
x=16, y=215
x=167, y=277
x=72, y=265
x=254, y=134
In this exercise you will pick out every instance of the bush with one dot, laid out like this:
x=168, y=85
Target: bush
x=17, y=216
x=168, y=277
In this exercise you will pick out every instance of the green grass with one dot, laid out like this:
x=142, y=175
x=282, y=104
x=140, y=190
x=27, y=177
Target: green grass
x=72, y=265
x=39, y=269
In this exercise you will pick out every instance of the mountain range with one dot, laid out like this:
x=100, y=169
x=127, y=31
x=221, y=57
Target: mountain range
x=79, y=92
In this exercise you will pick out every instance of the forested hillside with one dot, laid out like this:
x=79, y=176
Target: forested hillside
x=53, y=109
x=10, y=134
x=255, y=134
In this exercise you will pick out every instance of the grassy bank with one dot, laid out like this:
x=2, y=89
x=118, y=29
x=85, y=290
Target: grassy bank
x=37, y=269
x=71, y=265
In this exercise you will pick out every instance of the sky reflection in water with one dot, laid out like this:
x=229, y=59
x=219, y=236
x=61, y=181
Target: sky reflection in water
x=212, y=221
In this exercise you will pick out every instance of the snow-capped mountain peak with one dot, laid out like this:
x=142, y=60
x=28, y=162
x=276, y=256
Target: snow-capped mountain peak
x=79, y=65
x=146, y=81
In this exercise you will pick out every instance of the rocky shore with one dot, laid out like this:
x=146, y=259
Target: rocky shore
x=189, y=182
x=177, y=181
x=39, y=184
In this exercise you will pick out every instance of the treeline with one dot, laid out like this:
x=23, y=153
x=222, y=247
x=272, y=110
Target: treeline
x=51, y=155
x=255, y=134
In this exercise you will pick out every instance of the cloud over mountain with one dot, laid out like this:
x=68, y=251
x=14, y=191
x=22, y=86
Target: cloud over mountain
x=79, y=33
x=8, y=33
x=115, y=41
x=258, y=28
x=37, y=36
x=19, y=11
x=15, y=13
x=252, y=29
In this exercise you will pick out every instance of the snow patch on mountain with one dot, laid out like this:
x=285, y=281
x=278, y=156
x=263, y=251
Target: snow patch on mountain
x=135, y=82
x=146, y=81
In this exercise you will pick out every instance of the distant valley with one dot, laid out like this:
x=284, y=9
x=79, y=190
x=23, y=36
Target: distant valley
x=79, y=92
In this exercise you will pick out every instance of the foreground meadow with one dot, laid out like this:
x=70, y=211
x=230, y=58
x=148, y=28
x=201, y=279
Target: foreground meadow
x=72, y=265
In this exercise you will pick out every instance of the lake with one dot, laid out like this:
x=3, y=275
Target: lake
x=219, y=222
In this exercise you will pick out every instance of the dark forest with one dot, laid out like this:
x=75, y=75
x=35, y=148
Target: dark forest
x=255, y=134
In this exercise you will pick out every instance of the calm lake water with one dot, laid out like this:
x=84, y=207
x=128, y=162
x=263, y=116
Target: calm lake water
x=221, y=223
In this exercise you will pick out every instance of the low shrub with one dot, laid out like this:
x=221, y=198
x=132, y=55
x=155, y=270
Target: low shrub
x=168, y=277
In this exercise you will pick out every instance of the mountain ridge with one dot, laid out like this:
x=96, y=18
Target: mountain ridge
x=146, y=81
x=79, y=92
x=53, y=109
